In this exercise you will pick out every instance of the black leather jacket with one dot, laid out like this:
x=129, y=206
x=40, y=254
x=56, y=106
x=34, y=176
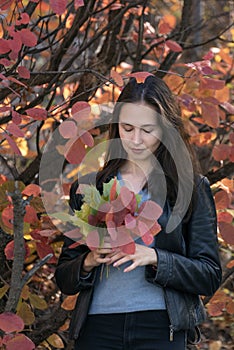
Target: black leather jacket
x=188, y=264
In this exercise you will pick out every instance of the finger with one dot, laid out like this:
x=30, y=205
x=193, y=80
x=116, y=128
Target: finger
x=131, y=267
x=122, y=261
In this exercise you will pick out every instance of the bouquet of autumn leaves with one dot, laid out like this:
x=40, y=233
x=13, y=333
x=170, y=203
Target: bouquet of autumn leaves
x=117, y=213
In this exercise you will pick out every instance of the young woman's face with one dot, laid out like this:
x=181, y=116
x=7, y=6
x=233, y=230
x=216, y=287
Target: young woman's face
x=139, y=131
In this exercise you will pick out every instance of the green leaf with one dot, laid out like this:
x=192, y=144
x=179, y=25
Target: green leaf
x=92, y=196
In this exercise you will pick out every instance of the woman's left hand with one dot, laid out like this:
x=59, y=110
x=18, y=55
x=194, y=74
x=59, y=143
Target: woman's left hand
x=143, y=256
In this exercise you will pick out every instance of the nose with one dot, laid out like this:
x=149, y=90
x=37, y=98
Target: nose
x=137, y=139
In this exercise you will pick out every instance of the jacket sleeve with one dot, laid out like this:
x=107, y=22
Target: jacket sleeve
x=68, y=271
x=199, y=271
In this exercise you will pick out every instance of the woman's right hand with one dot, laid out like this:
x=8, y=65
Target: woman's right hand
x=96, y=257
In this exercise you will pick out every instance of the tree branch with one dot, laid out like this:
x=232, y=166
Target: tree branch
x=226, y=171
x=19, y=250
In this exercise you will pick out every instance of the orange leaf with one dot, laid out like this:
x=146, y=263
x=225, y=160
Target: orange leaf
x=140, y=76
x=227, y=232
x=20, y=341
x=210, y=114
x=215, y=309
x=32, y=190
x=116, y=77
x=10, y=322
x=5, y=4
x=69, y=302
x=113, y=194
x=230, y=307
x=166, y=24
x=174, y=46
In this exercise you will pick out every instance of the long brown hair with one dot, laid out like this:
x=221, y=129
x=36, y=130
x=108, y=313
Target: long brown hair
x=155, y=93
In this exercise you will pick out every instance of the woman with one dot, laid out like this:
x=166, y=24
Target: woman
x=150, y=301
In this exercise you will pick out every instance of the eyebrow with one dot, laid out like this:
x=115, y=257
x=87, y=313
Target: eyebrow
x=142, y=126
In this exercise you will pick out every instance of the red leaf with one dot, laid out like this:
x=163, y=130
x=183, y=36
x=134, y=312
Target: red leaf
x=215, y=309
x=208, y=56
x=16, y=117
x=7, y=216
x=231, y=137
x=58, y=6
x=24, y=19
x=80, y=110
x=222, y=200
x=92, y=240
x=129, y=248
x=9, y=250
x=209, y=83
x=147, y=238
x=4, y=46
x=44, y=249
x=224, y=216
x=68, y=129
x=13, y=129
x=149, y=210
x=37, y=113
x=10, y=322
x=130, y=221
x=113, y=194
x=75, y=234
x=28, y=38
x=75, y=151
x=30, y=215
x=117, y=77
x=174, y=46
x=126, y=197
x=20, y=341
x=124, y=240
x=111, y=227
x=210, y=114
x=228, y=107
x=227, y=232
x=23, y=72
x=140, y=76
x=86, y=138
x=32, y=190
x=220, y=152
x=4, y=61
x=16, y=43
x=78, y=3
x=16, y=81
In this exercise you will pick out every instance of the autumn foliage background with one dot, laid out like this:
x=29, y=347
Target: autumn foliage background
x=61, y=58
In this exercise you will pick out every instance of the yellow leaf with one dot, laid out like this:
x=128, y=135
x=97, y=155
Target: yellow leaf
x=37, y=302
x=26, y=314
x=25, y=292
x=3, y=290
x=55, y=341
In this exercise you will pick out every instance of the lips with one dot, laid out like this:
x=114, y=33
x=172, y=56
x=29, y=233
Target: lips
x=137, y=150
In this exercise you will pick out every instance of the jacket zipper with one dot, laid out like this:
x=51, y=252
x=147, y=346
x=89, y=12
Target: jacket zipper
x=171, y=327
x=171, y=332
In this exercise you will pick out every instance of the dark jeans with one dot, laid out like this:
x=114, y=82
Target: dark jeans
x=142, y=330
